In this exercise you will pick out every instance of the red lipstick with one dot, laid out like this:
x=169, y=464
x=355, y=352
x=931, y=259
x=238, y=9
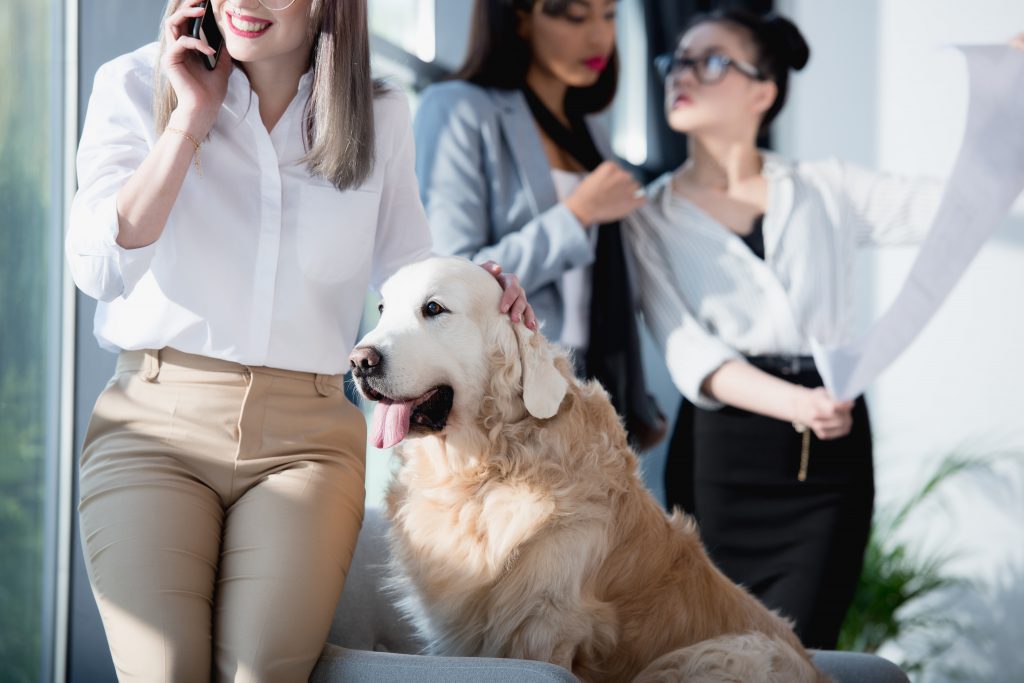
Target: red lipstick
x=239, y=31
x=596, y=63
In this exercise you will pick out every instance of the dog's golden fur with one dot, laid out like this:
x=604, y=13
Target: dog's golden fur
x=515, y=536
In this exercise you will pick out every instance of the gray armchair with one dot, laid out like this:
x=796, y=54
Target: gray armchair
x=370, y=642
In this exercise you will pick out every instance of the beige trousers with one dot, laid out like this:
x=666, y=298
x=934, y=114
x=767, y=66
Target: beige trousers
x=220, y=506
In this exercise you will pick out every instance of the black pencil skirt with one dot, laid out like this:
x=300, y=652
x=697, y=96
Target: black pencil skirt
x=797, y=545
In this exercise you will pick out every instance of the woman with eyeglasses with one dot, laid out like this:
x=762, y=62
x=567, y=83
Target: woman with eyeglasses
x=229, y=221
x=514, y=167
x=744, y=257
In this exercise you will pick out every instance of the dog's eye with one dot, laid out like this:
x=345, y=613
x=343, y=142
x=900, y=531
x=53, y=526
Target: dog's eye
x=380, y=308
x=432, y=308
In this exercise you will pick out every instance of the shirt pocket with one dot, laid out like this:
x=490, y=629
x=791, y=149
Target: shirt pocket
x=335, y=228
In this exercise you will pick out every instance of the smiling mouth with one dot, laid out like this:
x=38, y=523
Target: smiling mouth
x=394, y=419
x=247, y=27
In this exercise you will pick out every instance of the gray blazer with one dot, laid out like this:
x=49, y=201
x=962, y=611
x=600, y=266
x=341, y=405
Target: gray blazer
x=486, y=185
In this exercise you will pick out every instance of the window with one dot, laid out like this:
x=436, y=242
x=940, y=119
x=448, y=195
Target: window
x=403, y=51
x=404, y=44
x=408, y=24
x=31, y=200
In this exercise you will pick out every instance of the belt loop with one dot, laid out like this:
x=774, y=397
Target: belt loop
x=322, y=386
x=151, y=365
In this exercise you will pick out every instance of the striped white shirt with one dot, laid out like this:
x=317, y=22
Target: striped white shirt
x=708, y=299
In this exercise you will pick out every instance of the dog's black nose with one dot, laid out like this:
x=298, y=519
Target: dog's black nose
x=365, y=360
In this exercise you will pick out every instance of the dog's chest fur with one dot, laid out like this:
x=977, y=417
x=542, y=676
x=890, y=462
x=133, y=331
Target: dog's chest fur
x=464, y=521
x=460, y=540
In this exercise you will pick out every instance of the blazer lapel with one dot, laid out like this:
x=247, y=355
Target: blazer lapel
x=527, y=151
x=599, y=133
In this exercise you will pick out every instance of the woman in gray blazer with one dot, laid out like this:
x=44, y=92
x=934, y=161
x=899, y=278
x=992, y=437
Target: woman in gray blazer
x=512, y=167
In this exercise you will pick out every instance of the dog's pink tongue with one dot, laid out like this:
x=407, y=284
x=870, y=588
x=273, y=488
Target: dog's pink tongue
x=390, y=423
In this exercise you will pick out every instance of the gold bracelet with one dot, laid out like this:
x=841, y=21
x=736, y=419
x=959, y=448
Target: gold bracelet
x=195, y=143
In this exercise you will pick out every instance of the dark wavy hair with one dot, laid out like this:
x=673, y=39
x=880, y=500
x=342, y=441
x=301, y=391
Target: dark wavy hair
x=499, y=58
x=778, y=44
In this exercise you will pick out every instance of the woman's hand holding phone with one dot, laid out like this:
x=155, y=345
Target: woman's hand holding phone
x=206, y=30
x=200, y=91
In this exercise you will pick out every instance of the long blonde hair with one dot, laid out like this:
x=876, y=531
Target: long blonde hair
x=338, y=116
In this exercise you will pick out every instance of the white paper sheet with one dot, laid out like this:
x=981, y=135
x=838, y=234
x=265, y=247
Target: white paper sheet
x=987, y=177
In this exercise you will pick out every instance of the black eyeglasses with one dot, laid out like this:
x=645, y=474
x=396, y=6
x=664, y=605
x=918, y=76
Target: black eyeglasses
x=709, y=69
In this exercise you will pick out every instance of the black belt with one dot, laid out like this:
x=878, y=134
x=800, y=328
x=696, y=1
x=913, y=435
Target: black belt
x=783, y=364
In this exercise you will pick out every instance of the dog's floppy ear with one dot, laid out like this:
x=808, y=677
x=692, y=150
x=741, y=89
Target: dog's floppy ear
x=543, y=385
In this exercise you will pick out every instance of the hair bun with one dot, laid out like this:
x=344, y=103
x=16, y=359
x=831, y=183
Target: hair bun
x=787, y=41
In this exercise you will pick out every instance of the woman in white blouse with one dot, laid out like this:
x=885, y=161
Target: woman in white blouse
x=229, y=221
x=743, y=258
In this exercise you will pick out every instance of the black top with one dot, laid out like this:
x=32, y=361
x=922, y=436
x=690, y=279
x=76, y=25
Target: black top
x=755, y=239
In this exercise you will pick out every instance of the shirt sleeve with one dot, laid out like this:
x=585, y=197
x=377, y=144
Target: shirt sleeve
x=112, y=147
x=885, y=209
x=454, y=185
x=691, y=352
x=403, y=235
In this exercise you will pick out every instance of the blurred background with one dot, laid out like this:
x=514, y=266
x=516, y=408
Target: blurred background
x=943, y=592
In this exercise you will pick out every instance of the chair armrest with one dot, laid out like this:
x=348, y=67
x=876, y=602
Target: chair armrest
x=339, y=664
x=858, y=667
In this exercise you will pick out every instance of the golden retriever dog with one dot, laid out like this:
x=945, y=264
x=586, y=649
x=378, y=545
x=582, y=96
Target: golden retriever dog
x=519, y=524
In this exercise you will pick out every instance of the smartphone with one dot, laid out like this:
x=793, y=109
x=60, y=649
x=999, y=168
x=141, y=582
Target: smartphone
x=204, y=28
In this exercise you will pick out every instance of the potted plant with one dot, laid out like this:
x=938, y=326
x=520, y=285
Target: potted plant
x=896, y=578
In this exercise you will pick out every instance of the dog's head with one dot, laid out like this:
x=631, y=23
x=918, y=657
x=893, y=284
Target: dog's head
x=442, y=351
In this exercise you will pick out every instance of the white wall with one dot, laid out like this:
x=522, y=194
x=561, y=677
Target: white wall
x=882, y=90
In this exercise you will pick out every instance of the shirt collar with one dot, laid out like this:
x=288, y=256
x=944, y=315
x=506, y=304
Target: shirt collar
x=775, y=166
x=240, y=98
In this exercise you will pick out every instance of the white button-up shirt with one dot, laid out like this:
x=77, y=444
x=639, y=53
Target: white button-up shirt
x=708, y=298
x=260, y=262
